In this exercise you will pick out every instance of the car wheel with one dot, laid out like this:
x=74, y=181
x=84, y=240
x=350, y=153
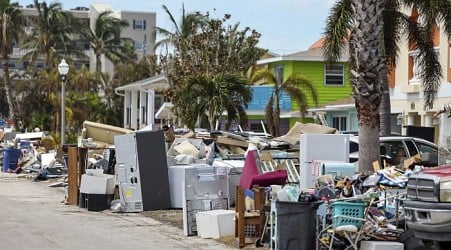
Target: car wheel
x=410, y=242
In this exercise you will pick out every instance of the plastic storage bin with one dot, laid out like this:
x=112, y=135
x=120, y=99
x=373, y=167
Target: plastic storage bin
x=381, y=245
x=349, y=209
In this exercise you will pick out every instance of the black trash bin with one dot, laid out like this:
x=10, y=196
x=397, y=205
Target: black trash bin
x=296, y=225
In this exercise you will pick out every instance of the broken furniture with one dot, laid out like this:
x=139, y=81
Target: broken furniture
x=102, y=135
x=288, y=164
x=244, y=218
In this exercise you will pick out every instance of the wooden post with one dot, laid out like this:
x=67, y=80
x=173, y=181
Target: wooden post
x=72, y=173
x=82, y=161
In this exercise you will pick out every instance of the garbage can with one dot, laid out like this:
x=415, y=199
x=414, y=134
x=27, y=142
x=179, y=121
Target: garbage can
x=295, y=225
x=10, y=158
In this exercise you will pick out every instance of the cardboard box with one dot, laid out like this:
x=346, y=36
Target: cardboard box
x=215, y=223
x=97, y=184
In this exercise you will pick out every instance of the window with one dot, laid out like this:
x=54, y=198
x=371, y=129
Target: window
x=12, y=64
x=159, y=100
x=138, y=45
x=339, y=122
x=144, y=115
x=424, y=148
x=128, y=112
x=139, y=24
x=39, y=64
x=428, y=153
x=334, y=75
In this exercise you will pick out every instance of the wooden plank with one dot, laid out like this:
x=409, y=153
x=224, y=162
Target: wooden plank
x=82, y=163
x=230, y=141
x=72, y=172
x=293, y=173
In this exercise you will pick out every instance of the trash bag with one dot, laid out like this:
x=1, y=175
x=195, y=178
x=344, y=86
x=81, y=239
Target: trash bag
x=42, y=176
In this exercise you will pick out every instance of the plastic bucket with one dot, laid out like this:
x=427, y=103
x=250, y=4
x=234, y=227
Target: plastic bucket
x=296, y=225
x=10, y=158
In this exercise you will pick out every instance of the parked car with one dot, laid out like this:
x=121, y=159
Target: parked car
x=395, y=149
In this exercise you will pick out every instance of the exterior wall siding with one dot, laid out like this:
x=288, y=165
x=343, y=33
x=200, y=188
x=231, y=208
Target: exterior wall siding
x=315, y=72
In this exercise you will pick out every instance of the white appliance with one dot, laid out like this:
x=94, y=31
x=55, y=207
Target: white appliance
x=97, y=183
x=142, y=172
x=324, y=147
x=176, y=175
x=204, y=188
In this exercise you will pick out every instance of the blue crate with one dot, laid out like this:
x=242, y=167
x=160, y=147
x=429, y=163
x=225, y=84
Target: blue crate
x=351, y=209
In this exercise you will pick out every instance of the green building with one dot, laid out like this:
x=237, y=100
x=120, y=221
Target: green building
x=332, y=83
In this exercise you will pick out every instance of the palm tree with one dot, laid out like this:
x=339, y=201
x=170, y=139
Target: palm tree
x=52, y=32
x=210, y=96
x=11, y=21
x=375, y=29
x=297, y=86
x=104, y=38
x=189, y=24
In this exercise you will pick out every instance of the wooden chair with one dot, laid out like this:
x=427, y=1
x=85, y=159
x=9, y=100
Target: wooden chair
x=255, y=217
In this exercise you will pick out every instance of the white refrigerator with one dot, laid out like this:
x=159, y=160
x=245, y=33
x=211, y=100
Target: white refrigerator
x=320, y=147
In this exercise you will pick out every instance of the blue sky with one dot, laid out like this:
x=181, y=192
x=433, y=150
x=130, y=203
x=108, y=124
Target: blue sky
x=287, y=26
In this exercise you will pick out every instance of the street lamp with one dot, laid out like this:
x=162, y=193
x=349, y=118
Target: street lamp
x=63, y=69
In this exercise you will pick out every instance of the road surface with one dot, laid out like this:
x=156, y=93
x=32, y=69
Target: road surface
x=32, y=216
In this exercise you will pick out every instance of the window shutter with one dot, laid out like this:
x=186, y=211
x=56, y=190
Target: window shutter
x=144, y=24
x=134, y=24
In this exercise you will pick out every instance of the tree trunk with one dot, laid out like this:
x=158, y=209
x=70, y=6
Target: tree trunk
x=5, y=60
x=98, y=64
x=7, y=84
x=269, y=115
x=368, y=136
x=277, y=112
x=385, y=108
x=366, y=48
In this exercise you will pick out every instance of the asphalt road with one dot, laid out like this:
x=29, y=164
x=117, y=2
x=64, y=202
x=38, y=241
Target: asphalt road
x=32, y=216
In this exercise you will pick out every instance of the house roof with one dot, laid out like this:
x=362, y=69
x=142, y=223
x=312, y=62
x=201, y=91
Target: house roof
x=338, y=105
x=156, y=83
x=314, y=53
x=165, y=111
x=318, y=44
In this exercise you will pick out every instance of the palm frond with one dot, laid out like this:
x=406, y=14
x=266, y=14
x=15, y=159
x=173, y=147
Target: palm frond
x=264, y=74
x=392, y=33
x=338, y=25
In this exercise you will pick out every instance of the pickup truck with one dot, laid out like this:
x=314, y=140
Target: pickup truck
x=395, y=149
x=428, y=204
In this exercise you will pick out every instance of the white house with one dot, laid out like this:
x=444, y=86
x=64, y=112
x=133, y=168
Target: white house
x=142, y=99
